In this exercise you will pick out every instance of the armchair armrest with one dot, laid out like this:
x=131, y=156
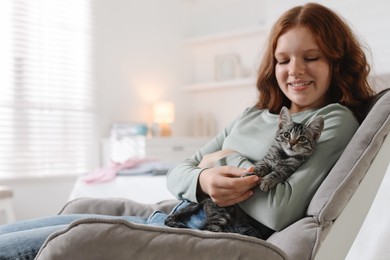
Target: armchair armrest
x=96, y=238
x=115, y=207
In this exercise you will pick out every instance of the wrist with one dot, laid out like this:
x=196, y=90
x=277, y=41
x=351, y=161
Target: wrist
x=201, y=190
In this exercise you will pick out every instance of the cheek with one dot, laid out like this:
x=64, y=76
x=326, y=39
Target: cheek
x=327, y=77
x=280, y=74
x=323, y=73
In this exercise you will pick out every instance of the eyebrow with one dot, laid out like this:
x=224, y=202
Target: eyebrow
x=304, y=51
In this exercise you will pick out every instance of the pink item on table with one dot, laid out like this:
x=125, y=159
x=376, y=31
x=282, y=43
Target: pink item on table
x=107, y=174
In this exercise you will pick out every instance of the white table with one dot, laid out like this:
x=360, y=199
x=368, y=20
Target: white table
x=140, y=188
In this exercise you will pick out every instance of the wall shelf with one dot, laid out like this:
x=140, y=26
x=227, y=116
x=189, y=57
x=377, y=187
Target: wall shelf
x=260, y=29
x=214, y=85
x=201, y=52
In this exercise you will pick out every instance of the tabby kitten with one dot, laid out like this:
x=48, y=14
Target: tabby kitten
x=293, y=145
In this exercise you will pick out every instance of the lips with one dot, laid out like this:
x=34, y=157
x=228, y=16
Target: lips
x=299, y=85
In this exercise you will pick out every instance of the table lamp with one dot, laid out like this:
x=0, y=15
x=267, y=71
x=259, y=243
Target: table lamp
x=164, y=115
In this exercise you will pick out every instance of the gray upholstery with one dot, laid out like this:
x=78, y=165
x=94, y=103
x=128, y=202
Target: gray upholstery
x=116, y=207
x=117, y=239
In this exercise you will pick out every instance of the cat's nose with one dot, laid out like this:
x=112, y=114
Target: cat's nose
x=292, y=144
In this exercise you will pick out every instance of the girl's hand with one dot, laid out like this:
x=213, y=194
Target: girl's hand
x=225, y=186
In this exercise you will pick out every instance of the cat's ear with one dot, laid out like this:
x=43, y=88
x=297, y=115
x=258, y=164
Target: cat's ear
x=284, y=117
x=316, y=126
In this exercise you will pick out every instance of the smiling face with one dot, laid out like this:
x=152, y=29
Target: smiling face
x=302, y=71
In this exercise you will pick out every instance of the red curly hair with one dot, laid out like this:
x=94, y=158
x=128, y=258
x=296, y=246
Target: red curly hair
x=335, y=39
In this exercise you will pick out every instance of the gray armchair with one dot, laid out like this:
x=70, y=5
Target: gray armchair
x=332, y=219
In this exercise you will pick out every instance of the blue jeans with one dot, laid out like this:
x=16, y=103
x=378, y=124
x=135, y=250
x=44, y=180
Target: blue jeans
x=196, y=221
x=22, y=240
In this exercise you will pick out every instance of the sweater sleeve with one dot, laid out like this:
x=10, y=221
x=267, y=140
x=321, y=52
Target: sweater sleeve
x=288, y=201
x=182, y=180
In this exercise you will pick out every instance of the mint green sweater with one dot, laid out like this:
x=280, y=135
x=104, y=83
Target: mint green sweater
x=251, y=135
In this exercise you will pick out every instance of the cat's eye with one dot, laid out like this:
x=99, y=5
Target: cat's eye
x=286, y=134
x=302, y=139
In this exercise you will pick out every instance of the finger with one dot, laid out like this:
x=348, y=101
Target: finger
x=239, y=189
x=232, y=171
x=246, y=182
x=250, y=169
x=233, y=186
x=236, y=200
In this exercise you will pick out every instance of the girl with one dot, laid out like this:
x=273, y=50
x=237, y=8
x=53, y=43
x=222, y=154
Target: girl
x=314, y=65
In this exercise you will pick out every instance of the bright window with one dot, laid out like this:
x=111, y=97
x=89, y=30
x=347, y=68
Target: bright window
x=47, y=116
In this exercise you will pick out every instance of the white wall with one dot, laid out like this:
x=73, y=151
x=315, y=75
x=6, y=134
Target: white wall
x=136, y=57
x=207, y=18
x=139, y=58
x=138, y=61
x=211, y=16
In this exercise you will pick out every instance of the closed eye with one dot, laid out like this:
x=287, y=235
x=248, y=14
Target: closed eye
x=282, y=62
x=312, y=59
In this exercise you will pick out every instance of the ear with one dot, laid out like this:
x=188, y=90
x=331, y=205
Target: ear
x=316, y=125
x=284, y=118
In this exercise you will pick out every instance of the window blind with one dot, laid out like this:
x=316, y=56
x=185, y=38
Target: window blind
x=47, y=113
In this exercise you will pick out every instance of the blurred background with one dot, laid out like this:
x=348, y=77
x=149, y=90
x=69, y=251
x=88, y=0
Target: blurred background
x=76, y=73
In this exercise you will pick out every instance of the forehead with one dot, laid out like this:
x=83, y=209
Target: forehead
x=296, y=39
x=296, y=130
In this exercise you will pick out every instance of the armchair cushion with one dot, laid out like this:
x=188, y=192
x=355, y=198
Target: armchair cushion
x=96, y=238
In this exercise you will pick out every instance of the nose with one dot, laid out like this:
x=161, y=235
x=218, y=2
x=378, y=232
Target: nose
x=296, y=68
x=292, y=143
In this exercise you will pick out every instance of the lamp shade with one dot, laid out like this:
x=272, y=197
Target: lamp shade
x=164, y=112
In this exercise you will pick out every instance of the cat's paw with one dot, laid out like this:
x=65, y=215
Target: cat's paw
x=261, y=171
x=215, y=228
x=253, y=171
x=170, y=222
x=266, y=184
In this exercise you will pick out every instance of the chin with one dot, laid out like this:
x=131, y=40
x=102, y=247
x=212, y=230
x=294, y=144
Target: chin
x=290, y=152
